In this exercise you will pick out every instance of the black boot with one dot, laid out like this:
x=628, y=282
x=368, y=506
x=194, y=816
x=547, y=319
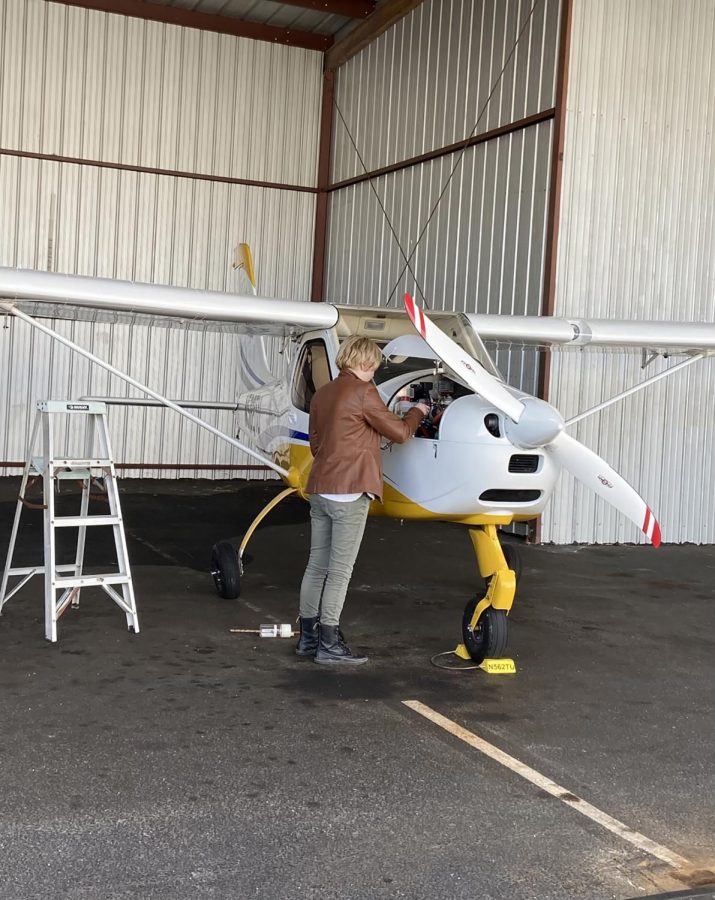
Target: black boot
x=308, y=642
x=332, y=649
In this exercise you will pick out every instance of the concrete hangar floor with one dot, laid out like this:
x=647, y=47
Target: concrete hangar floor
x=191, y=762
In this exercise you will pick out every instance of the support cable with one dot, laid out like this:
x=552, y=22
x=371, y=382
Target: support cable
x=382, y=207
x=464, y=146
x=407, y=266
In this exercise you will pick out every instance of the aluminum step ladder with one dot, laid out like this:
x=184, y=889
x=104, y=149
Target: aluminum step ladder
x=68, y=579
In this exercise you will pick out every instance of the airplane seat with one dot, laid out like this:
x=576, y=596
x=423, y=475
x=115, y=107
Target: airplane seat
x=321, y=370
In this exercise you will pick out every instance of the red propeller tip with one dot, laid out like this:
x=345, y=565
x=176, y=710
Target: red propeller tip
x=655, y=540
x=416, y=315
x=651, y=528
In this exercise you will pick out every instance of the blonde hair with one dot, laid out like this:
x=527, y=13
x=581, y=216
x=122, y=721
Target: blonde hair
x=358, y=351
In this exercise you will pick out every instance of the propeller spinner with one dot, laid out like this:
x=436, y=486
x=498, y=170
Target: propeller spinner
x=533, y=423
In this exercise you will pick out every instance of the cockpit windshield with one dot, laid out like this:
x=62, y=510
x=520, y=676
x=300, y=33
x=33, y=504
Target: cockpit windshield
x=400, y=365
x=385, y=326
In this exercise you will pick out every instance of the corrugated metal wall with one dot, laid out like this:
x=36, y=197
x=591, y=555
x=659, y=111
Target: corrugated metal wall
x=637, y=240
x=422, y=86
x=119, y=90
x=424, y=83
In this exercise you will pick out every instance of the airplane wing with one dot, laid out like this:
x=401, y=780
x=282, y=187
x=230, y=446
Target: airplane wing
x=674, y=337
x=49, y=295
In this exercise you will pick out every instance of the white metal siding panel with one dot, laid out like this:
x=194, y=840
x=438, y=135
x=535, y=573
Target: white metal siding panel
x=421, y=86
x=116, y=89
x=83, y=83
x=637, y=240
x=187, y=239
x=145, y=228
x=151, y=228
x=483, y=250
x=425, y=82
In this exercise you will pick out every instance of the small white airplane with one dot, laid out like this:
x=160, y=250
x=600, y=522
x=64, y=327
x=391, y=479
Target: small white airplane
x=486, y=456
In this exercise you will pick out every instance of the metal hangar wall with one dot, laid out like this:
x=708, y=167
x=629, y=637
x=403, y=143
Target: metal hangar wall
x=141, y=150
x=637, y=240
x=572, y=141
x=455, y=102
x=588, y=189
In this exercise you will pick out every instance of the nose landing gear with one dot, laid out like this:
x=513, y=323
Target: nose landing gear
x=486, y=640
x=484, y=622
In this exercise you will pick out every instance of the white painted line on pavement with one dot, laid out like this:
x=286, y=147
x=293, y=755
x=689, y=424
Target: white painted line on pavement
x=623, y=831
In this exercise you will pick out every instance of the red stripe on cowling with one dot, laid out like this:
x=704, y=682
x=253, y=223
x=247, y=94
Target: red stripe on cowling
x=656, y=535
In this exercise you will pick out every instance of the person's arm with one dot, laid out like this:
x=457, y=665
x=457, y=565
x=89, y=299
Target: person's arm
x=386, y=423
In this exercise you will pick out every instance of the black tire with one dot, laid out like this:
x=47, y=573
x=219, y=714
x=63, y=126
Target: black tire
x=226, y=570
x=489, y=638
x=512, y=555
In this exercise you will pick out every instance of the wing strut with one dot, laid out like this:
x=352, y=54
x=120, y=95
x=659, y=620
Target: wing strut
x=142, y=387
x=635, y=388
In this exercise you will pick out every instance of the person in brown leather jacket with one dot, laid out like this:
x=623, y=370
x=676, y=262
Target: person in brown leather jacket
x=347, y=419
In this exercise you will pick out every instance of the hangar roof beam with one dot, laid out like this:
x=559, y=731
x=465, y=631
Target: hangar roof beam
x=174, y=15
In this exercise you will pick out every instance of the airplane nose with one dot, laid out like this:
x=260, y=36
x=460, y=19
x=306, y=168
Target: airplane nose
x=539, y=424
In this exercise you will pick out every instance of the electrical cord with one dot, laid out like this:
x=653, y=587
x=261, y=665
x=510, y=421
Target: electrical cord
x=448, y=668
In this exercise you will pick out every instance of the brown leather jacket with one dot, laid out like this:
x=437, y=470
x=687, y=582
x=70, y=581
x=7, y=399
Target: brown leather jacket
x=347, y=417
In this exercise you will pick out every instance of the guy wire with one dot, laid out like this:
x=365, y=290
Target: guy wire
x=382, y=206
x=464, y=147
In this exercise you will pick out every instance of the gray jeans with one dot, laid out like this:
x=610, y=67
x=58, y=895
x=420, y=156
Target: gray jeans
x=336, y=531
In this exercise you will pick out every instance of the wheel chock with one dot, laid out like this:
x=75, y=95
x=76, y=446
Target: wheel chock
x=501, y=666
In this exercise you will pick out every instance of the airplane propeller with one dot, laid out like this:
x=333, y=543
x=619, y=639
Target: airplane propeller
x=533, y=423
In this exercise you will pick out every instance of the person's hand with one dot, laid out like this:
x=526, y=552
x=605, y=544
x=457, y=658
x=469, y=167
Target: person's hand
x=423, y=408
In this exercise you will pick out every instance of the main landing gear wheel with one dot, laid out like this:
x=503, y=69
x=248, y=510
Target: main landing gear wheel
x=488, y=640
x=226, y=570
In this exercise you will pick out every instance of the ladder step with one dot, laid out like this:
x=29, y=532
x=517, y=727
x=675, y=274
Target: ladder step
x=91, y=580
x=73, y=469
x=77, y=521
x=78, y=474
x=80, y=464
x=40, y=570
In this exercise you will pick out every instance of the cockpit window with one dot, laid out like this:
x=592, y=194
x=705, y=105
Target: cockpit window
x=311, y=373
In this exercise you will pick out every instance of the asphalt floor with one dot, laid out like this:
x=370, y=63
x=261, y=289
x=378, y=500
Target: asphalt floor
x=188, y=761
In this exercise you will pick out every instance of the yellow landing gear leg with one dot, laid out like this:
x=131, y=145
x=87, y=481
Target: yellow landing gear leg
x=484, y=623
x=262, y=515
x=227, y=565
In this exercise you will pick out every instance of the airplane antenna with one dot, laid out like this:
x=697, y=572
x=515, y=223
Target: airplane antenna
x=462, y=151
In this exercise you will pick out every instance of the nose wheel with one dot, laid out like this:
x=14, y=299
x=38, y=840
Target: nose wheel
x=484, y=621
x=488, y=638
x=226, y=570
